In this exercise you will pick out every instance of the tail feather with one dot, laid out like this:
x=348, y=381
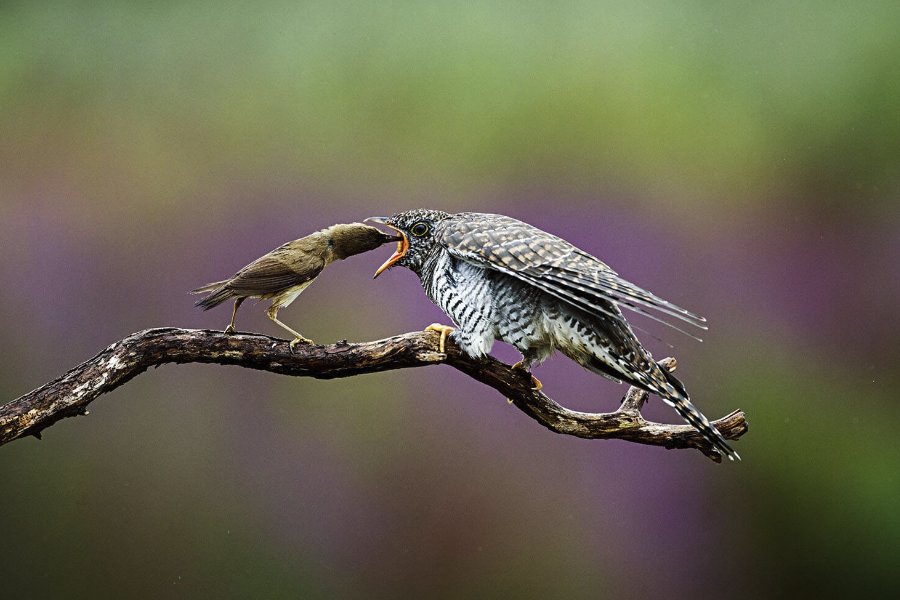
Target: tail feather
x=681, y=402
x=209, y=287
x=661, y=382
x=219, y=295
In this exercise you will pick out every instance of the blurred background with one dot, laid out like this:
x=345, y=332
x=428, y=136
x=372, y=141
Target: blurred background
x=740, y=160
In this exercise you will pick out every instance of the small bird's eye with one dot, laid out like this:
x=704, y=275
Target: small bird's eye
x=419, y=229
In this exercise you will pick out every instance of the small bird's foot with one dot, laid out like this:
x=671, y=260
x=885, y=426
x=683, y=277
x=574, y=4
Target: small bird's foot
x=229, y=329
x=537, y=384
x=300, y=340
x=445, y=331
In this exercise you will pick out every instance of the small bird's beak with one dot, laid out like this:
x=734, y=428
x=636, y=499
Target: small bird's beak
x=402, y=245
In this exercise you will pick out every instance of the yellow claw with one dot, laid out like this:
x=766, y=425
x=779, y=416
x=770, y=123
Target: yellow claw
x=537, y=384
x=298, y=340
x=237, y=304
x=444, y=329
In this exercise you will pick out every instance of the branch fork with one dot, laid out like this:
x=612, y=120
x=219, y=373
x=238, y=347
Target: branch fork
x=70, y=394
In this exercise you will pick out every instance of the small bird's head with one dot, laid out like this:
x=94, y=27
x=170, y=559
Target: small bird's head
x=356, y=238
x=417, y=228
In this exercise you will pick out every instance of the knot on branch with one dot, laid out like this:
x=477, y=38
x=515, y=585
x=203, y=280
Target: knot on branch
x=70, y=394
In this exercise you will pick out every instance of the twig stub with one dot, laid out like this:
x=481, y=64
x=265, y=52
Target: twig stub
x=70, y=394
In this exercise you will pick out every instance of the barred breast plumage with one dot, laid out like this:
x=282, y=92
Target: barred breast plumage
x=498, y=278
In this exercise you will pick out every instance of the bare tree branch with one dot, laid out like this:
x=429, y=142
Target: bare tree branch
x=70, y=394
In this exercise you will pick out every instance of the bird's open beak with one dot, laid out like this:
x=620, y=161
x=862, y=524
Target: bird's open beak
x=402, y=245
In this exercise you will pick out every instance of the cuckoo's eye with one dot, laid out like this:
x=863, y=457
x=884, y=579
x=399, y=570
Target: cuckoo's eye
x=419, y=229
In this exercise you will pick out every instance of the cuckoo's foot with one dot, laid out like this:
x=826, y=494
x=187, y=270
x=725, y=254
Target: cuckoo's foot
x=537, y=384
x=299, y=340
x=445, y=331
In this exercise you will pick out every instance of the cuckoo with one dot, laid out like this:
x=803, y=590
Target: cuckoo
x=282, y=274
x=498, y=278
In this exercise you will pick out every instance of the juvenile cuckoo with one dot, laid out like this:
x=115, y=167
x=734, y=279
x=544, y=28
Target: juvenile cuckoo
x=287, y=270
x=498, y=278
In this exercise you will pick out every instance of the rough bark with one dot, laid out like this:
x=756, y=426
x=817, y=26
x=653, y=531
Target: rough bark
x=70, y=394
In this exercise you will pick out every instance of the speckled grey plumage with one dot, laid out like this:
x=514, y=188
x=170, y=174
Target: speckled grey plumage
x=498, y=278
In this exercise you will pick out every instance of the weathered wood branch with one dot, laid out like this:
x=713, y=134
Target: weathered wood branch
x=70, y=394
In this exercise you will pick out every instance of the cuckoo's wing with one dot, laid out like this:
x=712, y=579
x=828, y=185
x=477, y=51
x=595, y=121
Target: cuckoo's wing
x=553, y=265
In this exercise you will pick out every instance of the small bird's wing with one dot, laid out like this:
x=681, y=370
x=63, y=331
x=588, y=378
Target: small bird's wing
x=551, y=264
x=290, y=265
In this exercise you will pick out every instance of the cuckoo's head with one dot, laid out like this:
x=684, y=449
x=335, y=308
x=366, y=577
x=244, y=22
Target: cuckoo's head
x=417, y=228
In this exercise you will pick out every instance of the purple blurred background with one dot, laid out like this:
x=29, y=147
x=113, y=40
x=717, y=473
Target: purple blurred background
x=741, y=163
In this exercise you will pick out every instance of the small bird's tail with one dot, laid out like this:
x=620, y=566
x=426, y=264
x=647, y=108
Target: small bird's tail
x=219, y=294
x=681, y=402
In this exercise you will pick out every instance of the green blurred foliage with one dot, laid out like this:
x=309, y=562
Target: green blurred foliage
x=708, y=97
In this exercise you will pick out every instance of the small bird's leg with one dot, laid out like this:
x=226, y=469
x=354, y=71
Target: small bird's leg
x=444, y=329
x=272, y=313
x=230, y=328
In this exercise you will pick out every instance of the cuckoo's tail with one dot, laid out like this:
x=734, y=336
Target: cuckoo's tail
x=661, y=382
x=682, y=405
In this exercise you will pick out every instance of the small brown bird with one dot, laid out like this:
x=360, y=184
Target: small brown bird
x=284, y=272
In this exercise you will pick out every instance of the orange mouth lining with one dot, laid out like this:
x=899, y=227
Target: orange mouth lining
x=402, y=247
